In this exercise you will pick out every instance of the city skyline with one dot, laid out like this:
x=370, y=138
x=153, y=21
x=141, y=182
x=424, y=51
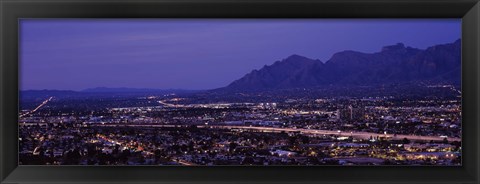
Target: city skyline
x=125, y=45
x=283, y=92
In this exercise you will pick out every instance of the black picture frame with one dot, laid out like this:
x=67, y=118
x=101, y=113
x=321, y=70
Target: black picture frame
x=12, y=10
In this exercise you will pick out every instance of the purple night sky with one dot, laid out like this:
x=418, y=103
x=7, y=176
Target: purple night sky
x=74, y=54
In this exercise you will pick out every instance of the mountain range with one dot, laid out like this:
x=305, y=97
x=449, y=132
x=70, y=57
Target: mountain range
x=395, y=64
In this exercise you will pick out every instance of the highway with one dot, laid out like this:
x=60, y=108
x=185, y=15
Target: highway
x=38, y=107
x=360, y=135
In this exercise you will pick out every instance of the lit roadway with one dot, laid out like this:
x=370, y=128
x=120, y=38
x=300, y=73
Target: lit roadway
x=361, y=135
x=38, y=107
x=183, y=162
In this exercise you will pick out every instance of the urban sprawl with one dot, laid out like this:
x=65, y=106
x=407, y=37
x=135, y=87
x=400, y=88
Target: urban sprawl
x=168, y=129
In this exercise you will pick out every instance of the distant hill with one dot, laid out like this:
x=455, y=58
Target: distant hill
x=393, y=64
x=47, y=93
x=102, y=92
x=133, y=90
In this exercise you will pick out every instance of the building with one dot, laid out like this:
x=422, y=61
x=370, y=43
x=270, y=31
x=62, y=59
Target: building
x=351, y=113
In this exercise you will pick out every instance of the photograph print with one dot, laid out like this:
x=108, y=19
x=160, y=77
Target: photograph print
x=240, y=92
